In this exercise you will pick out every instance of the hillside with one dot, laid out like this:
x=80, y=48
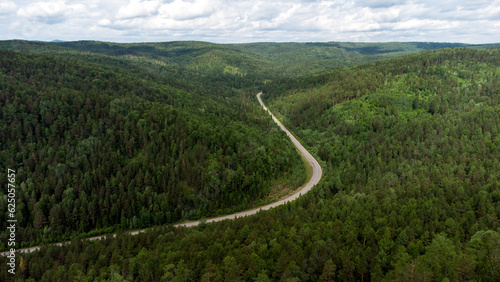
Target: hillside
x=415, y=142
x=410, y=148
x=256, y=62
x=97, y=150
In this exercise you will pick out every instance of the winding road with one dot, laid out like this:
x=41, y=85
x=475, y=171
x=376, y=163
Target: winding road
x=317, y=172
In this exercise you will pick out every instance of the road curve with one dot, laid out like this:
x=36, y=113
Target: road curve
x=316, y=176
x=317, y=172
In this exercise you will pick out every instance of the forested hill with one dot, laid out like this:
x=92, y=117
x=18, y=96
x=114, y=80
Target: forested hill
x=97, y=150
x=411, y=187
x=413, y=146
x=246, y=64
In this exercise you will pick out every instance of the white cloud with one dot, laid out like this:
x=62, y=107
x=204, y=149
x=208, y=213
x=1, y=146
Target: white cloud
x=378, y=3
x=246, y=21
x=186, y=10
x=49, y=12
x=7, y=7
x=104, y=22
x=137, y=8
x=425, y=24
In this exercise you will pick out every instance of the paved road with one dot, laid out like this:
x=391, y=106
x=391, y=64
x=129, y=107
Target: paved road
x=317, y=172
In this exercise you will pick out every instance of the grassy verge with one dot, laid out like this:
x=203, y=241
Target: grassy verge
x=308, y=166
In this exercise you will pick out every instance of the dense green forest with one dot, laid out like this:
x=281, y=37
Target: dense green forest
x=240, y=65
x=409, y=148
x=97, y=150
x=111, y=136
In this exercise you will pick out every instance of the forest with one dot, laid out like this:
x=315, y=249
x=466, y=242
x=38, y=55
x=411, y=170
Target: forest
x=409, y=146
x=99, y=151
x=110, y=136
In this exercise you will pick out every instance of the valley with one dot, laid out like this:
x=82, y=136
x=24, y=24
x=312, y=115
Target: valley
x=107, y=138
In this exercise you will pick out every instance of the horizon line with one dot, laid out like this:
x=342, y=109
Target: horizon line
x=254, y=42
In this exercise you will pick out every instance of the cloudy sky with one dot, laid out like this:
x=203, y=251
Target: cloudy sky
x=225, y=21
